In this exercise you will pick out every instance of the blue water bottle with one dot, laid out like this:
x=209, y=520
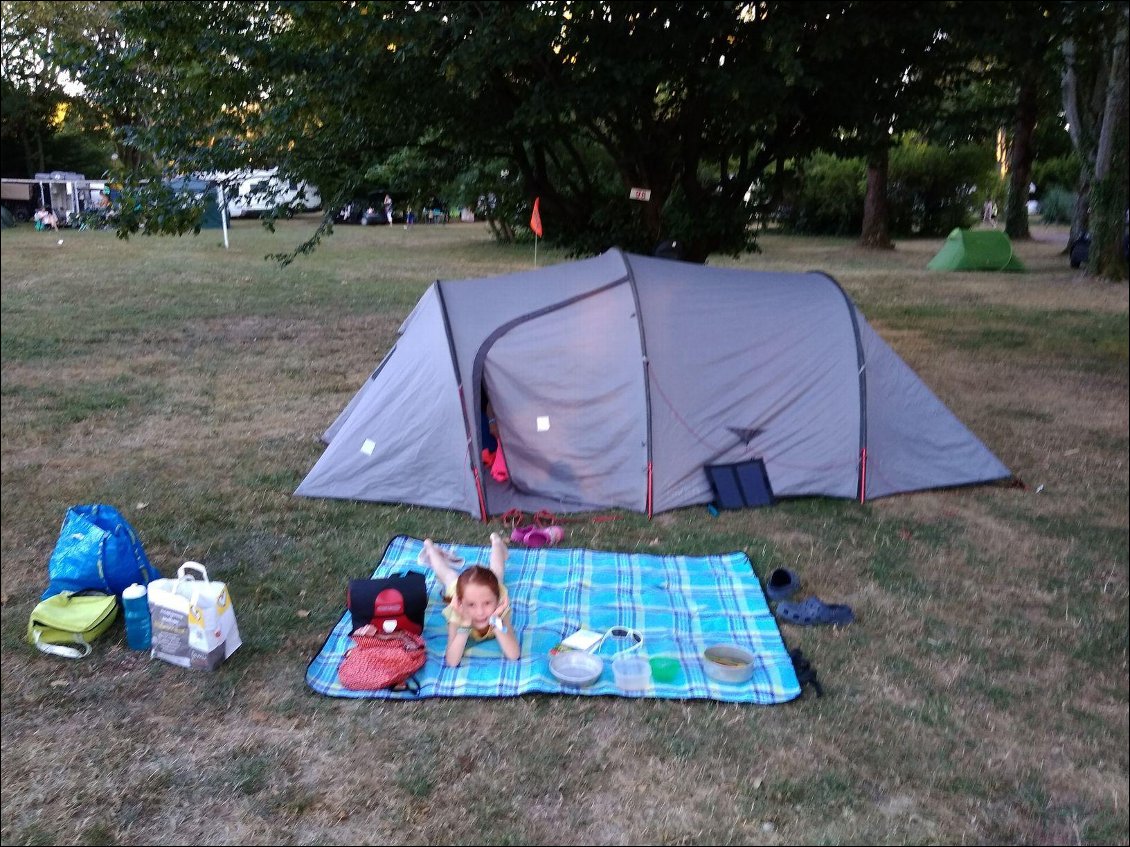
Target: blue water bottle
x=139, y=629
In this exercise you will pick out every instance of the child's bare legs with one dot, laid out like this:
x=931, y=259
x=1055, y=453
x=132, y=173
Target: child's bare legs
x=439, y=562
x=498, y=553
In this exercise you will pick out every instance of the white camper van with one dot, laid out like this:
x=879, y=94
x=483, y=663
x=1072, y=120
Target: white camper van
x=258, y=192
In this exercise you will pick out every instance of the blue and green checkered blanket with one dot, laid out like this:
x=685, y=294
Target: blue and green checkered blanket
x=680, y=604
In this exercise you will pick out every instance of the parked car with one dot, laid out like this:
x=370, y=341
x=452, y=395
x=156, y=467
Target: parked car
x=361, y=210
x=351, y=212
x=368, y=210
x=373, y=216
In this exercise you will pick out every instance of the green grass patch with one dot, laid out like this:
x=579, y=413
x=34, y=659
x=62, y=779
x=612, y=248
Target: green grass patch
x=57, y=408
x=1068, y=338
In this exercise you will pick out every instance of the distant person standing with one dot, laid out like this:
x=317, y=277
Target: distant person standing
x=388, y=209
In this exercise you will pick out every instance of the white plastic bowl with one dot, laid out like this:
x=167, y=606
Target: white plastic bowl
x=576, y=667
x=728, y=662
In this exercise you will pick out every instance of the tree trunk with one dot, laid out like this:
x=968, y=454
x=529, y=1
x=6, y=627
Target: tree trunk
x=39, y=152
x=876, y=215
x=1080, y=140
x=29, y=160
x=1080, y=217
x=502, y=234
x=1020, y=162
x=652, y=212
x=1109, y=199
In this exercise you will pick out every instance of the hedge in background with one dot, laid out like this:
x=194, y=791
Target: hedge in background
x=829, y=197
x=1057, y=206
x=931, y=190
x=1061, y=172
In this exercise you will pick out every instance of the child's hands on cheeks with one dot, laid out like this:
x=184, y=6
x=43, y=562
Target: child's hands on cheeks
x=502, y=610
x=462, y=618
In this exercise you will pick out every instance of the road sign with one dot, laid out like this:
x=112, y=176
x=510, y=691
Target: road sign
x=640, y=194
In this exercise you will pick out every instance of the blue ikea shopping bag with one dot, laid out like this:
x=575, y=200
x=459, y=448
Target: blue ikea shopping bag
x=97, y=548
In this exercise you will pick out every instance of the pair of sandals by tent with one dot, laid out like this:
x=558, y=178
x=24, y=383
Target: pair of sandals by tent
x=543, y=532
x=783, y=584
x=537, y=536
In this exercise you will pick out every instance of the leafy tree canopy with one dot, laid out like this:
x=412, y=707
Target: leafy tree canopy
x=704, y=104
x=43, y=126
x=697, y=102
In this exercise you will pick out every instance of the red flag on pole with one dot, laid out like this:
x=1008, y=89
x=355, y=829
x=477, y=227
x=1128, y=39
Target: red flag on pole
x=535, y=218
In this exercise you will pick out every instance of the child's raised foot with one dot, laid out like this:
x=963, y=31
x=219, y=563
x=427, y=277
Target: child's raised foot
x=430, y=548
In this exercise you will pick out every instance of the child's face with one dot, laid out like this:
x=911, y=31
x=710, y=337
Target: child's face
x=479, y=603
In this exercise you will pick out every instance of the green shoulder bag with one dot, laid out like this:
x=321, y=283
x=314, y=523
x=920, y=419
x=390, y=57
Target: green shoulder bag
x=65, y=623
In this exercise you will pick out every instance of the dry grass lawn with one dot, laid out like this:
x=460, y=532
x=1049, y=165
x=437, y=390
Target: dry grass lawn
x=981, y=696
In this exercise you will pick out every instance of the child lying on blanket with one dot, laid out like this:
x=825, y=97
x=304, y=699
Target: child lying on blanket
x=478, y=606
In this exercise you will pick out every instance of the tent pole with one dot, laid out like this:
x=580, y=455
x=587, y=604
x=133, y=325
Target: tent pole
x=862, y=474
x=650, y=504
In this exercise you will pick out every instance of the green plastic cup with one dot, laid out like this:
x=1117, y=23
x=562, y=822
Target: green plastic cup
x=664, y=669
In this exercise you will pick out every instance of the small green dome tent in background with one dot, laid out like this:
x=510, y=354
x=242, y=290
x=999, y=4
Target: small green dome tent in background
x=976, y=250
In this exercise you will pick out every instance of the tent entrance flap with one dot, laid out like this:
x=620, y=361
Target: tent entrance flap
x=567, y=393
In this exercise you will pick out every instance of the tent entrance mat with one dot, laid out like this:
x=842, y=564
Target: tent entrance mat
x=680, y=604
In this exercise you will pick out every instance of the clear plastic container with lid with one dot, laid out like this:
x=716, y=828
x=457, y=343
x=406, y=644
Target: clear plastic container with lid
x=631, y=672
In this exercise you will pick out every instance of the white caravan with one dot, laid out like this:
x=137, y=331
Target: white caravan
x=255, y=193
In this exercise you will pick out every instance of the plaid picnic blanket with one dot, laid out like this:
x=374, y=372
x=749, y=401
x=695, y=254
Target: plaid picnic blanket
x=680, y=604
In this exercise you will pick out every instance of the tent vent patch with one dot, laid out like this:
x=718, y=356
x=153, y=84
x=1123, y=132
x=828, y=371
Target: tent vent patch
x=740, y=485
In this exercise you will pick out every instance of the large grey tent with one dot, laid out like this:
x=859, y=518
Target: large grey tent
x=616, y=380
